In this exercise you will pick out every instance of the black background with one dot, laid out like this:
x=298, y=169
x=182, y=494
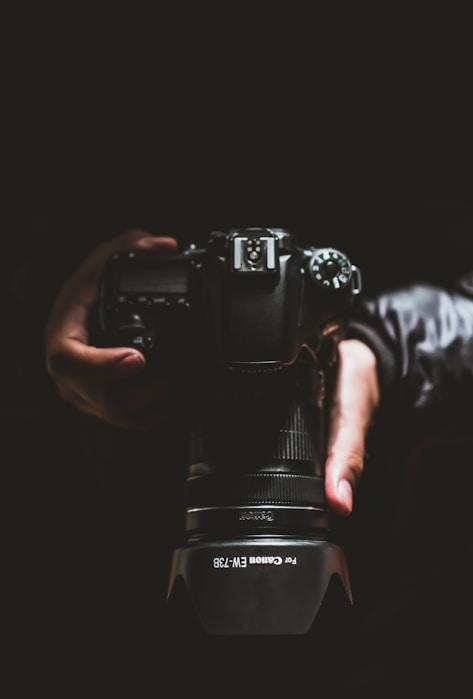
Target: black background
x=350, y=130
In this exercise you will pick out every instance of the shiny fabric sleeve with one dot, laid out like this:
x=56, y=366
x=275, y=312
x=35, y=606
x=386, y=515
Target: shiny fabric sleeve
x=422, y=336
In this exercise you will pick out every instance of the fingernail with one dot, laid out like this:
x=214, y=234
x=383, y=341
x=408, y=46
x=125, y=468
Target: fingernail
x=345, y=492
x=131, y=363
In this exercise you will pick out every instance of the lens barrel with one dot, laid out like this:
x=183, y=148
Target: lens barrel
x=258, y=559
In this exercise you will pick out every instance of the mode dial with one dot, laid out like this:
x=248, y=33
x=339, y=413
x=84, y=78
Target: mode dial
x=330, y=269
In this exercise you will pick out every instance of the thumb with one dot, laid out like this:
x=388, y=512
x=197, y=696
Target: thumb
x=74, y=359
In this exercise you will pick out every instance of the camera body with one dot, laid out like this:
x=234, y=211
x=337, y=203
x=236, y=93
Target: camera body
x=248, y=326
x=252, y=299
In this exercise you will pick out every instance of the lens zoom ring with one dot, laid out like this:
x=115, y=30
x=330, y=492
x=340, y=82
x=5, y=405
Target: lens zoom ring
x=296, y=438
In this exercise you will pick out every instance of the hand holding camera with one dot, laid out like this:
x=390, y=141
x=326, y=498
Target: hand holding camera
x=97, y=381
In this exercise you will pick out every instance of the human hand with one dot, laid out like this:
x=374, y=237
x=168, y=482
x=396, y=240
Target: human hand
x=354, y=401
x=96, y=381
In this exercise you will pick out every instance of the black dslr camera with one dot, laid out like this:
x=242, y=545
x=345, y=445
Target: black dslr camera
x=249, y=327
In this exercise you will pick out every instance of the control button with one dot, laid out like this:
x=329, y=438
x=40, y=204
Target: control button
x=139, y=343
x=133, y=325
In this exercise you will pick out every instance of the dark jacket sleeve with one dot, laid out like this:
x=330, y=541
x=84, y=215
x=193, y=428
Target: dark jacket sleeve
x=422, y=336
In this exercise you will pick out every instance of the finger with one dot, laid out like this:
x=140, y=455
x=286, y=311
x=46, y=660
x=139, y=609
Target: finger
x=132, y=239
x=355, y=397
x=145, y=421
x=82, y=286
x=138, y=406
x=143, y=405
x=343, y=469
x=76, y=360
x=68, y=320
